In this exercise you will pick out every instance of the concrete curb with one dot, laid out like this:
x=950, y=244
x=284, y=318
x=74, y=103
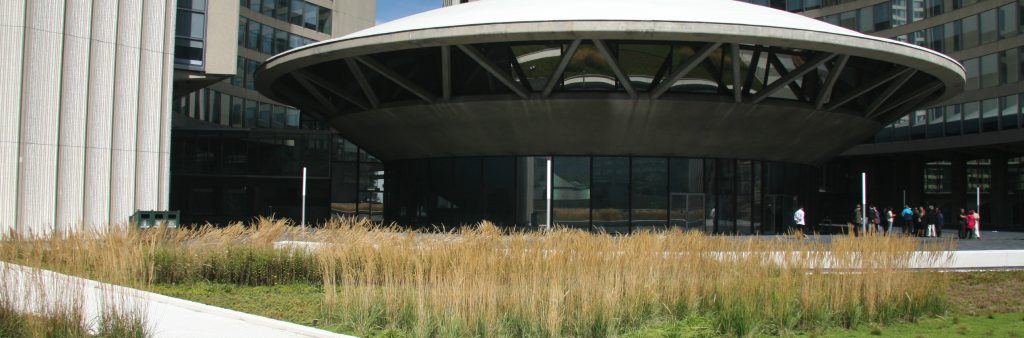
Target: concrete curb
x=165, y=316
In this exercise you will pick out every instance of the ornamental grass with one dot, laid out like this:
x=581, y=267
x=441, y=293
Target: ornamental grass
x=482, y=280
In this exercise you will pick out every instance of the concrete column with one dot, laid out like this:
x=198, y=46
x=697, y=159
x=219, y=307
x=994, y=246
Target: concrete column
x=12, y=35
x=84, y=79
x=73, y=115
x=40, y=114
x=149, y=111
x=96, y=203
x=124, y=127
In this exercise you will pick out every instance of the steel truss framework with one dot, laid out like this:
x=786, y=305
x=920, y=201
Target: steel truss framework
x=830, y=82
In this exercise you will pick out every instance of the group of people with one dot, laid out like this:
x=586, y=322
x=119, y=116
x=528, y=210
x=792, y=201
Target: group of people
x=917, y=221
x=873, y=221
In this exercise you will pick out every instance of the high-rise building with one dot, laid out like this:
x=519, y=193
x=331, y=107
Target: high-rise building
x=945, y=154
x=239, y=154
x=84, y=111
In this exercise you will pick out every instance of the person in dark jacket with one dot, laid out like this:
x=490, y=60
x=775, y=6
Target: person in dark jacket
x=919, y=221
x=940, y=221
x=930, y=221
x=963, y=223
x=875, y=219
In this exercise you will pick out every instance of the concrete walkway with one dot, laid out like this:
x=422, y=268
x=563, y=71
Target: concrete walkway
x=31, y=289
x=982, y=260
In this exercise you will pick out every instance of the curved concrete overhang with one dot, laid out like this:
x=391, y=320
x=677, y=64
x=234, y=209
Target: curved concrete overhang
x=899, y=77
x=687, y=126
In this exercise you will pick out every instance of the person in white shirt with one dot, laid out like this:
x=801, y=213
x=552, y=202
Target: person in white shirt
x=798, y=218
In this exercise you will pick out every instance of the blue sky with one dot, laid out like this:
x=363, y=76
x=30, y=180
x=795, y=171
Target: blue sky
x=388, y=10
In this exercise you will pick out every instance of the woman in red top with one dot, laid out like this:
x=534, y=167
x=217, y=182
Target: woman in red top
x=971, y=222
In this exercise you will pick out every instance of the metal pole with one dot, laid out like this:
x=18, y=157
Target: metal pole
x=977, y=199
x=303, y=197
x=548, y=194
x=977, y=196
x=863, y=201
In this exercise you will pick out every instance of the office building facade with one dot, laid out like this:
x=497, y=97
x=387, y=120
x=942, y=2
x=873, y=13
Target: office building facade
x=84, y=112
x=239, y=154
x=946, y=154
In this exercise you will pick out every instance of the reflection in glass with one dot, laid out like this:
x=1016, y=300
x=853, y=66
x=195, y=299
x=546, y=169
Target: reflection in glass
x=531, y=191
x=610, y=198
x=588, y=70
x=616, y=194
x=726, y=196
x=990, y=115
x=973, y=70
x=1009, y=110
x=954, y=115
x=703, y=78
x=649, y=185
x=990, y=70
x=952, y=42
x=1008, y=21
x=989, y=26
x=744, y=197
x=936, y=123
x=758, y=191
x=969, y=29
x=711, y=198
x=570, y=196
x=919, y=123
x=686, y=193
x=642, y=63
x=538, y=62
x=972, y=117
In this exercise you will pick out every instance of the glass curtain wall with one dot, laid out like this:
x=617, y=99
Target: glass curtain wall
x=611, y=194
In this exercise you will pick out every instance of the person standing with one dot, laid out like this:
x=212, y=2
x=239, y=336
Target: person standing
x=890, y=217
x=930, y=221
x=962, y=224
x=977, y=224
x=919, y=221
x=876, y=220
x=940, y=221
x=799, y=221
x=858, y=220
x=971, y=222
x=907, y=216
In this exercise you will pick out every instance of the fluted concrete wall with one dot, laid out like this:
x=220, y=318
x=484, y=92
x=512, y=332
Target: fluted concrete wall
x=84, y=111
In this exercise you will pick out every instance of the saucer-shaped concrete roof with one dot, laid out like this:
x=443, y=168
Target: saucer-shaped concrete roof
x=612, y=77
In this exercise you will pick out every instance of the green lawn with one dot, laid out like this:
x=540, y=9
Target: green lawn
x=1009, y=325
x=296, y=303
x=982, y=304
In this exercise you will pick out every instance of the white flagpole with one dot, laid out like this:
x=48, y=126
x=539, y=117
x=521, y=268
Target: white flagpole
x=303, y=197
x=863, y=201
x=548, y=193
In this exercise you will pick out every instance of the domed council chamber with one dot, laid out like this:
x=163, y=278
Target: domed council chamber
x=653, y=113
